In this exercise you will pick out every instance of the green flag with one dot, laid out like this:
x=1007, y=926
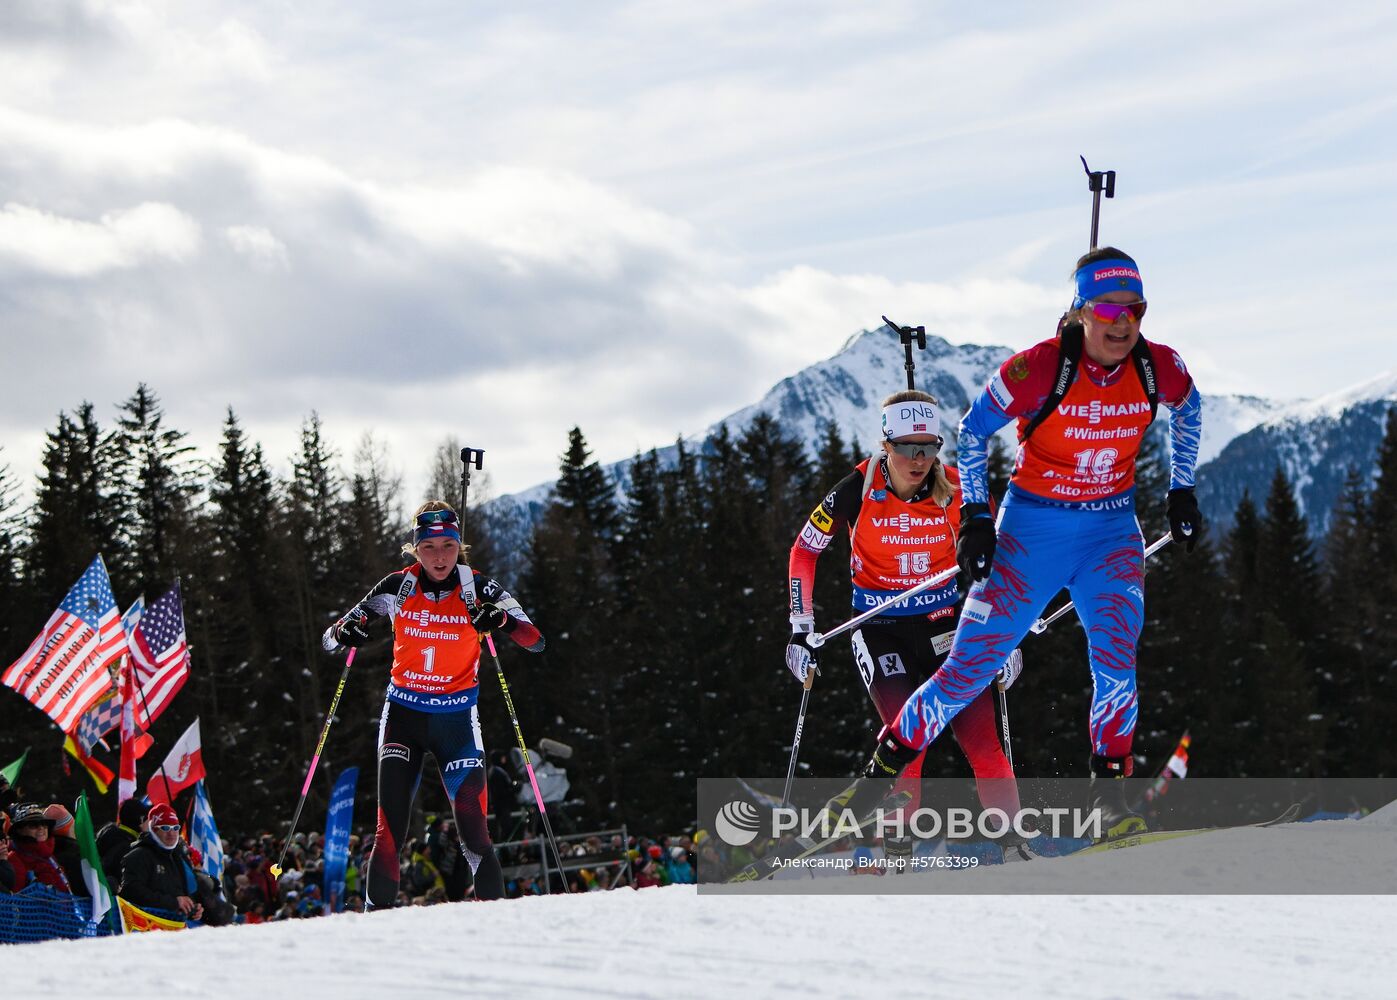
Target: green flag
x=10, y=772
x=92, y=873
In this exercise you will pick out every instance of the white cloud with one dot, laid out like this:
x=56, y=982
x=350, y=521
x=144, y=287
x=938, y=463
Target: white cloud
x=636, y=217
x=72, y=248
x=259, y=245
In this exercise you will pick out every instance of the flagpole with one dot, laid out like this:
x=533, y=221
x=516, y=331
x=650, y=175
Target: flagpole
x=146, y=707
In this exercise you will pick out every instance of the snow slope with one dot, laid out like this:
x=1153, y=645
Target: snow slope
x=669, y=943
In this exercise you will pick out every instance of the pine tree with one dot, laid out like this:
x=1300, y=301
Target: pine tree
x=232, y=619
x=313, y=593
x=72, y=519
x=1278, y=639
x=373, y=522
x=154, y=474
x=12, y=592
x=571, y=585
x=1347, y=691
x=1287, y=564
x=1381, y=580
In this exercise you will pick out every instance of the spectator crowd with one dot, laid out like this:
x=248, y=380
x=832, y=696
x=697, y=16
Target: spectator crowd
x=148, y=863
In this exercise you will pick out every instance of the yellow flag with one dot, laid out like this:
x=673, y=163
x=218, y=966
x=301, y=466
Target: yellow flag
x=136, y=919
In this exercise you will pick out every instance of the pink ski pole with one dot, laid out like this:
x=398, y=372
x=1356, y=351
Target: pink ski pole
x=528, y=765
x=305, y=789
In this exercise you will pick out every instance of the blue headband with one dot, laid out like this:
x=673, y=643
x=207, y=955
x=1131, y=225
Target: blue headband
x=437, y=529
x=1101, y=276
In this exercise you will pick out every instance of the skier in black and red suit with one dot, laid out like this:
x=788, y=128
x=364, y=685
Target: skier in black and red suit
x=440, y=609
x=902, y=510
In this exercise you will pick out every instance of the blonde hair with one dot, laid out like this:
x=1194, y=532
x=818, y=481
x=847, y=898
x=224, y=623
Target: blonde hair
x=941, y=489
x=410, y=547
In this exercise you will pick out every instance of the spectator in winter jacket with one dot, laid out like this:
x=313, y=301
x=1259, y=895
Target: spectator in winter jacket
x=65, y=849
x=31, y=854
x=116, y=839
x=8, y=796
x=156, y=873
x=7, y=870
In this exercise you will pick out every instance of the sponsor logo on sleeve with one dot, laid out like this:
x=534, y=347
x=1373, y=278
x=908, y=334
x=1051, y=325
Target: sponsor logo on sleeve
x=1000, y=393
x=977, y=611
x=815, y=540
x=821, y=519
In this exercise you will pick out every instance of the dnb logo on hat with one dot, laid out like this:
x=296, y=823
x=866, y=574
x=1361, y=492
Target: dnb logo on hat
x=737, y=823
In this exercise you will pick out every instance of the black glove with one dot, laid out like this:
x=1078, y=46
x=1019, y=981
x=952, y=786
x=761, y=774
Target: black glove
x=490, y=618
x=353, y=629
x=801, y=657
x=975, y=547
x=1184, y=518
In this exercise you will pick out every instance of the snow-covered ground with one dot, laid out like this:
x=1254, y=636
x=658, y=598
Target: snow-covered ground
x=676, y=942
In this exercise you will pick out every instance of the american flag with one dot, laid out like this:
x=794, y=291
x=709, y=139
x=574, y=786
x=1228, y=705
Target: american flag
x=160, y=655
x=64, y=670
x=203, y=833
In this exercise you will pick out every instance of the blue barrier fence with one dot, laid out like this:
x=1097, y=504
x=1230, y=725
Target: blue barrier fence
x=38, y=913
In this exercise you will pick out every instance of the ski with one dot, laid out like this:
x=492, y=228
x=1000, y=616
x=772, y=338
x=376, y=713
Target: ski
x=766, y=867
x=1159, y=836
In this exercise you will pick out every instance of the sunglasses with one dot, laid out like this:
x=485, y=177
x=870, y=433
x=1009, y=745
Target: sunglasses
x=166, y=828
x=914, y=449
x=436, y=517
x=1109, y=312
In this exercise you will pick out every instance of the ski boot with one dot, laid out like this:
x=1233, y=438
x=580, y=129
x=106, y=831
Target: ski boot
x=1015, y=845
x=875, y=782
x=897, y=851
x=1107, y=794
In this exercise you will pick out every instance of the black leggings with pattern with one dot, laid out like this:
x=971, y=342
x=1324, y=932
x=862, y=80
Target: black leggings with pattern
x=406, y=735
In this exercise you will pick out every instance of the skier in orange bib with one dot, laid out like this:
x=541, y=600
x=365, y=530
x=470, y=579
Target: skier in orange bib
x=439, y=607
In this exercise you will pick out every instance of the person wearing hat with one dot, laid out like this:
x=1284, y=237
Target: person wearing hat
x=116, y=839
x=1083, y=401
x=902, y=510
x=31, y=854
x=65, y=848
x=440, y=610
x=156, y=873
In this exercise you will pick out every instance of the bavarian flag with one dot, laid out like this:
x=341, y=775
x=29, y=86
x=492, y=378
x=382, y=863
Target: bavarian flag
x=137, y=919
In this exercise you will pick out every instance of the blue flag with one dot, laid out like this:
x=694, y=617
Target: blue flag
x=337, y=825
x=203, y=833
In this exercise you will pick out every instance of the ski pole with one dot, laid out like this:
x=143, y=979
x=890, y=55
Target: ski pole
x=1008, y=673
x=476, y=457
x=818, y=639
x=528, y=766
x=1004, y=722
x=800, y=729
x=1041, y=625
x=305, y=789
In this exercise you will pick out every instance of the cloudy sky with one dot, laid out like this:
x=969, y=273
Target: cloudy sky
x=498, y=220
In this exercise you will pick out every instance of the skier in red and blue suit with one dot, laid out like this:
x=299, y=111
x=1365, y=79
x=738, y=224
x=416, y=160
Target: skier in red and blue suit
x=1069, y=517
